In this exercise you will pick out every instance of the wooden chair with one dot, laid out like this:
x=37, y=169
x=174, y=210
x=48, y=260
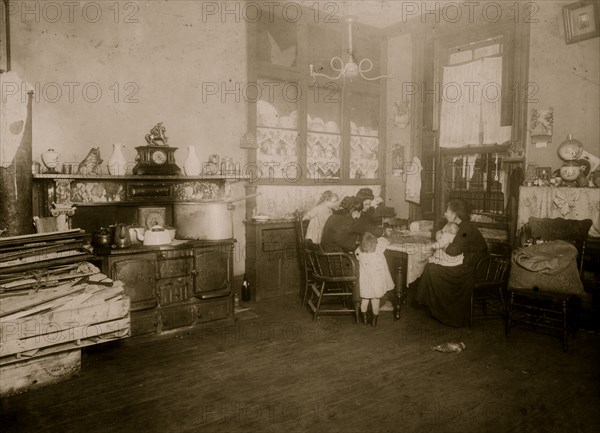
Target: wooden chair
x=552, y=310
x=335, y=277
x=305, y=273
x=491, y=280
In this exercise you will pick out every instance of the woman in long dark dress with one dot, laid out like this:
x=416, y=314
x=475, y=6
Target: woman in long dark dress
x=341, y=234
x=446, y=291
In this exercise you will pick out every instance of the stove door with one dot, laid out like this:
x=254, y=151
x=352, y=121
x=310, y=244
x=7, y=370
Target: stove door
x=212, y=271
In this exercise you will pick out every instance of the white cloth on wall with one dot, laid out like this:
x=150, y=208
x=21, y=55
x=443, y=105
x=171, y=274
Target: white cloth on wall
x=413, y=181
x=13, y=115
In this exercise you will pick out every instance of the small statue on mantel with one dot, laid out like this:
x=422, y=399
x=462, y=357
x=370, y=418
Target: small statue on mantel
x=157, y=135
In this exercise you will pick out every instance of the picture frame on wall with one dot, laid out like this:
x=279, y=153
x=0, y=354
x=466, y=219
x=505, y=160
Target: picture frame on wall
x=581, y=21
x=4, y=37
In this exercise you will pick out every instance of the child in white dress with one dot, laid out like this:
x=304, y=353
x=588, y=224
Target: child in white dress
x=444, y=237
x=374, y=275
x=319, y=214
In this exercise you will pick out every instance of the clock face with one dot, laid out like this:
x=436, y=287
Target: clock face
x=151, y=216
x=154, y=219
x=159, y=157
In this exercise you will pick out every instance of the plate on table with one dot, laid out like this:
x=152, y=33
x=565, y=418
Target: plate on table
x=261, y=218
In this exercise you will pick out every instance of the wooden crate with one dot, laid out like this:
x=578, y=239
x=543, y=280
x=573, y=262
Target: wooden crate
x=39, y=371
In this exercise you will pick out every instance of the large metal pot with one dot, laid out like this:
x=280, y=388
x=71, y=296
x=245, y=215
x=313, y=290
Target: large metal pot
x=210, y=220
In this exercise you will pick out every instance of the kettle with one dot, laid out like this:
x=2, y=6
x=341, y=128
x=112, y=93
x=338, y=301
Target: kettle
x=122, y=238
x=155, y=235
x=103, y=237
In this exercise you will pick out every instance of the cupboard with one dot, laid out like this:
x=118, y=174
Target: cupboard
x=272, y=263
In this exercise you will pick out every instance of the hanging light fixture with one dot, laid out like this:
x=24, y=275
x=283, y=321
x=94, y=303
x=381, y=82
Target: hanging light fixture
x=350, y=69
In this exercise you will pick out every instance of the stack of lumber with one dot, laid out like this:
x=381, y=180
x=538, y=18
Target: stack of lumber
x=26, y=252
x=43, y=329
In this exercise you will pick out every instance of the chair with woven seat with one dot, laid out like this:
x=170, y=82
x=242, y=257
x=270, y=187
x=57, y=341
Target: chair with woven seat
x=491, y=280
x=556, y=309
x=334, y=274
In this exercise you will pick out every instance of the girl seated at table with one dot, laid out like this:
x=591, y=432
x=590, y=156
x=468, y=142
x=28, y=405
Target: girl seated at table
x=445, y=237
x=319, y=215
x=374, y=275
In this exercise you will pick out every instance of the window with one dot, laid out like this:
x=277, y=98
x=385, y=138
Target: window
x=313, y=131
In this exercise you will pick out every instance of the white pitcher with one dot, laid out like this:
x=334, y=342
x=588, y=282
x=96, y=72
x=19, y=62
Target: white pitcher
x=192, y=166
x=117, y=164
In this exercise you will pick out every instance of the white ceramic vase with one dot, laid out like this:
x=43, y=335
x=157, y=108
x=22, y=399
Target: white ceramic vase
x=192, y=166
x=117, y=164
x=50, y=158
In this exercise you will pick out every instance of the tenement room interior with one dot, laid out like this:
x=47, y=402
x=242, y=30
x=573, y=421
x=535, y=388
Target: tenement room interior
x=301, y=216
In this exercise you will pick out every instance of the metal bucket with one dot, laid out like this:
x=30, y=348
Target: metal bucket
x=211, y=220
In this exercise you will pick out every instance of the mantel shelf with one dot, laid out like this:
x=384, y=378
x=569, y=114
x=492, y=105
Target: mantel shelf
x=95, y=177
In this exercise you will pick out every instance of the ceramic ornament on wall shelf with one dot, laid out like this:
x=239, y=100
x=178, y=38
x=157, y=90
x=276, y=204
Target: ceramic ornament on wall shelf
x=540, y=129
x=401, y=114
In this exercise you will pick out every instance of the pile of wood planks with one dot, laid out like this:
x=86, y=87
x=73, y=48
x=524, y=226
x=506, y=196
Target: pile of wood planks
x=39, y=330
x=41, y=250
x=47, y=314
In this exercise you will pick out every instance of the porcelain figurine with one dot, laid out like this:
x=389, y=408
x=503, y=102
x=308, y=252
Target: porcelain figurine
x=91, y=163
x=157, y=136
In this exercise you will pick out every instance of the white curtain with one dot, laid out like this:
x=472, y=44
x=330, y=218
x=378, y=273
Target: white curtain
x=461, y=107
x=491, y=102
x=472, y=103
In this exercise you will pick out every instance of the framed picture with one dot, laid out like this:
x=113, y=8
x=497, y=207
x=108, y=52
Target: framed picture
x=581, y=21
x=544, y=173
x=4, y=37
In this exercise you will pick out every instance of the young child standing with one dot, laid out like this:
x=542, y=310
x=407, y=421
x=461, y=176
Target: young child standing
x=374, y=276
x=319, y=214
x=444, y=237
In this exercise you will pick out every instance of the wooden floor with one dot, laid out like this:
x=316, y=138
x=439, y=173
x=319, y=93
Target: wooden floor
x=277, y=372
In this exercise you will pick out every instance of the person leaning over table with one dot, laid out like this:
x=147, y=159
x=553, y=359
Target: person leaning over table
x=342, y=229
x=446, y=291
x=368, y=221
x=341, y=233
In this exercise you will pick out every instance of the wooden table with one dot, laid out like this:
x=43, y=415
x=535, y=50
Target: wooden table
x=406, y=256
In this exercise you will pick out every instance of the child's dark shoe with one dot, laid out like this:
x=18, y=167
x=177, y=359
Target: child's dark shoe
x=374, y=320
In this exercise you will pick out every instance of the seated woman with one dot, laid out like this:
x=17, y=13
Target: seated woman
x=341, y=233
x=446, y=291
x=342, y=229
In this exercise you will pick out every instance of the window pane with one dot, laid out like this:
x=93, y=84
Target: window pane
x=277, y=129
x=460, y=57
x=323, y=121
x=364, y=136
x=276, y=41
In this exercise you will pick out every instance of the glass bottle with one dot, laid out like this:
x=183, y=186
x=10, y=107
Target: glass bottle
x=246, y=292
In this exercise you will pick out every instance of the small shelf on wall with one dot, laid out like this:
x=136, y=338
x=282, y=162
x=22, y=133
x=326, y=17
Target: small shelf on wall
x=96, y=177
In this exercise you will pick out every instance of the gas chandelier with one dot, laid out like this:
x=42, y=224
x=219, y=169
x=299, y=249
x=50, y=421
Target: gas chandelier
x=350, y=69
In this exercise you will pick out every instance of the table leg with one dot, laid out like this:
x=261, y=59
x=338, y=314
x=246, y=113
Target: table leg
x=397, y=263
